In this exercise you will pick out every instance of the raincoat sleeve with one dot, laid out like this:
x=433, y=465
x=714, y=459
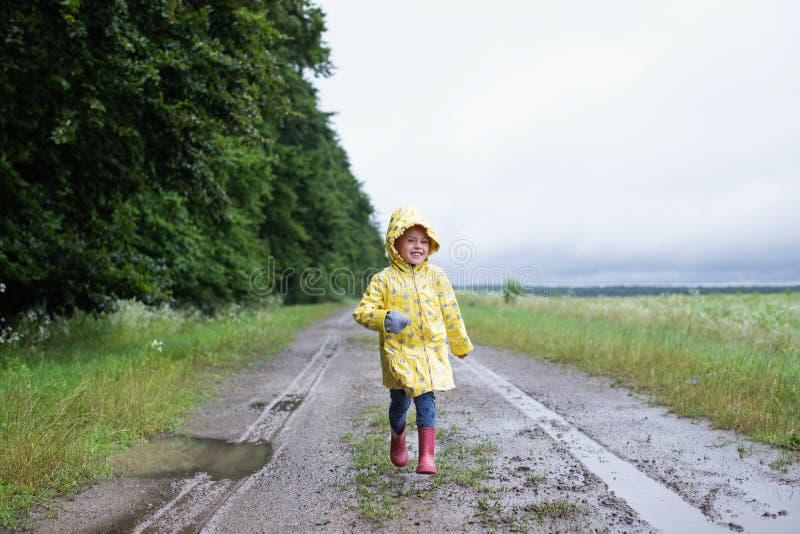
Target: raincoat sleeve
x=460, y=345
x=371, y=311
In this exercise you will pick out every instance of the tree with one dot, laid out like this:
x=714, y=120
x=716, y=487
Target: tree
x=163, y=150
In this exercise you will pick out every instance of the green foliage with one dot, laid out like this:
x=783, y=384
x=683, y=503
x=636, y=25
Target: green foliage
x=163, y=151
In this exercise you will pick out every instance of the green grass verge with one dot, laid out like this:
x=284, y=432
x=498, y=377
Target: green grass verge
x=383, y=491
x=734, y=359
x=82, y=388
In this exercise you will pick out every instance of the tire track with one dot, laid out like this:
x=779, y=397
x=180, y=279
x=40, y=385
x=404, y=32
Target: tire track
x=200, y=498
x=654, y=502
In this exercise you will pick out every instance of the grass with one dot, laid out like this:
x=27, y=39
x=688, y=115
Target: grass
x=494, y=517
x=74, y=391
x=557, y=508
x=383, y=491
x=734, y=359
x=535, y=478
x=377, y=480
x=783, y=463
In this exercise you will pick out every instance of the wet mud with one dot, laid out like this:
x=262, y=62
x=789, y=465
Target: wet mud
x=304, y=479
x=288, y=404
x=110, y=506
x=722, y=474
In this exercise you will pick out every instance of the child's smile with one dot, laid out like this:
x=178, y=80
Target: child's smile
x=413, y=246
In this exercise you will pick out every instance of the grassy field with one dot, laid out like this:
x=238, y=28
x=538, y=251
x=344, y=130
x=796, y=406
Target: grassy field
x=74, y=391
x=734, y=359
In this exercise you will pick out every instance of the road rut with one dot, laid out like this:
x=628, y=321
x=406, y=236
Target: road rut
x=307, y=399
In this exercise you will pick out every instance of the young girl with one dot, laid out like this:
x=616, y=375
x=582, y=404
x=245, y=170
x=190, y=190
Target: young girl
x=412, y=305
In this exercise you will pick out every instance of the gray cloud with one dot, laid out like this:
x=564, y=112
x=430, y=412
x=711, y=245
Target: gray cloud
x=618, y=141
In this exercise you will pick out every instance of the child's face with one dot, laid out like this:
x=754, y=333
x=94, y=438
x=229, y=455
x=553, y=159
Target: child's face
x=414, y=245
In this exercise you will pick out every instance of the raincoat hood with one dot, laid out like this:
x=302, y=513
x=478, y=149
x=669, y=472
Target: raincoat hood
x=402, y=219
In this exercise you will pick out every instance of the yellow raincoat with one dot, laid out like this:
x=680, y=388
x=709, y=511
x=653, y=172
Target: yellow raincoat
x=416, y=359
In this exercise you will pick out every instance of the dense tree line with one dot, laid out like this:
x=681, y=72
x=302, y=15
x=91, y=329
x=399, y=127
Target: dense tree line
x=165, y=149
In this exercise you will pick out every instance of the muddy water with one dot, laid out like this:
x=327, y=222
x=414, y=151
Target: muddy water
x=183, y=457
x=782, y=514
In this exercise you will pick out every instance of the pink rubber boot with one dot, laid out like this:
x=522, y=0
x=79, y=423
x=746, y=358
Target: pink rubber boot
x=398, y=453
x=427, y=444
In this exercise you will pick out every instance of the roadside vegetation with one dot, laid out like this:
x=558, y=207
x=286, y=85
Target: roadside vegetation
x=73, y=391
x=733, y=359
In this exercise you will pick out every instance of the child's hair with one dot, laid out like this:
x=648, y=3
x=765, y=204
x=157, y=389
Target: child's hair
x=418, y=227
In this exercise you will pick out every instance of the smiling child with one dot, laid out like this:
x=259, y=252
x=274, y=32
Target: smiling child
x=411, y=304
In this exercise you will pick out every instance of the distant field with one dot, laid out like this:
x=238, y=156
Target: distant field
x=732, y=358
x=634, y=291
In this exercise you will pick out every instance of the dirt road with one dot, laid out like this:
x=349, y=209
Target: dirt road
x=561, y=451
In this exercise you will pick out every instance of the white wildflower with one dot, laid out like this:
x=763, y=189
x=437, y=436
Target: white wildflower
x=158, y=345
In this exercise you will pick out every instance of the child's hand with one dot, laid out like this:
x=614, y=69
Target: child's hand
x=395, y=322
x=462, y=356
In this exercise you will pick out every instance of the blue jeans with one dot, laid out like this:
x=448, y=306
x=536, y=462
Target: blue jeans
x=425, y=405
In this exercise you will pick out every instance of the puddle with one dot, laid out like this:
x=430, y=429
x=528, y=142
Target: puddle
x=288, y=404
x=182, y=457
x=782, y=513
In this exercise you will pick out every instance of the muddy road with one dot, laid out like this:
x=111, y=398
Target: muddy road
x=536, y=447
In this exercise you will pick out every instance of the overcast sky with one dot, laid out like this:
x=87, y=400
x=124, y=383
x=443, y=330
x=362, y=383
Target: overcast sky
x=593, y=142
